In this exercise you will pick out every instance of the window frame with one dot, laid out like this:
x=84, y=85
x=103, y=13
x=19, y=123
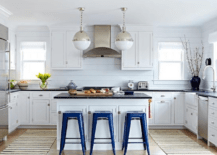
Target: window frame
x=181, y=62
x=21, y=39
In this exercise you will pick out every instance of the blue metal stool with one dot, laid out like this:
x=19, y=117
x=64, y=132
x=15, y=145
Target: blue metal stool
x=102, y=115
x=77, y=115
x=135, y=115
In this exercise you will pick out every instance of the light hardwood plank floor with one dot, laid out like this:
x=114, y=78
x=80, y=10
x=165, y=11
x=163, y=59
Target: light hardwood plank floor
x=154, y=148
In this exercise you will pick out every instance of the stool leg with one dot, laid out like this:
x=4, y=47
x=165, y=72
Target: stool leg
x=93, y=133
x=125, y=126
x=127, y=133
x=111, y=127
x=81, y=129
x=143, y=134
x=145, y=130
x=63, y=134
x=84, y=132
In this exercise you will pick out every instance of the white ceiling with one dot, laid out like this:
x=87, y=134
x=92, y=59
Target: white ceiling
x=149, y=12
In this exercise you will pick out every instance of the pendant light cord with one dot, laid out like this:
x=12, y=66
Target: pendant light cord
x=81, y=27
x=124, y=27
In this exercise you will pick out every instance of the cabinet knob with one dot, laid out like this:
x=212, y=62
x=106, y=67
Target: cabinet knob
x=119, y=112
x=40, y=95
x=59, y=112
x=213, y=122
x=213, y=103
x=186, y=122
x=174, y=98
x=162, y=101
x=48, y=105
x=191, y=113
x=28, y=97
x=137, y=62
x=162, y=95
x=213, y=113
x=66, y=62
x=89, y=112
x=213, y=135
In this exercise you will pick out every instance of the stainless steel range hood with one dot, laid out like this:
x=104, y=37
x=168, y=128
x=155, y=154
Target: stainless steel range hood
x=102, y=38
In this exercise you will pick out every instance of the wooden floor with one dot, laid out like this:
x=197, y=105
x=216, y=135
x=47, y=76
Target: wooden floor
x=155, y=150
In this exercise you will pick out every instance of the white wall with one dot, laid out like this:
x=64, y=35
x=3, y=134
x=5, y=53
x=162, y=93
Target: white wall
x=107, y=71
x=208, y=28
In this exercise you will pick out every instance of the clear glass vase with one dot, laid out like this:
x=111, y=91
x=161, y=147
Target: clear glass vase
x=44, y=85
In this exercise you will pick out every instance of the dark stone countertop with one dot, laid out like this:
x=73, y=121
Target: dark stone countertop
x=135, y=96
x=49, y=89
x=155, y=90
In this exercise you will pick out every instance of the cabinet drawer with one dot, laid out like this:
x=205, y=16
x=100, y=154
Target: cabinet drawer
x=41, y=95
x=163, y=95
x=213, y=102
x=212, y=135
x=212, y=122
x=212, y=112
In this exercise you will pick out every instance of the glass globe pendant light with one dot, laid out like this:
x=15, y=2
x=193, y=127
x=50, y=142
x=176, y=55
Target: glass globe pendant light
x=81, y=40
x=124, y=40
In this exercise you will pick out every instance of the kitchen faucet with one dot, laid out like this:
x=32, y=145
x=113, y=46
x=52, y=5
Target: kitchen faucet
x=209, y=66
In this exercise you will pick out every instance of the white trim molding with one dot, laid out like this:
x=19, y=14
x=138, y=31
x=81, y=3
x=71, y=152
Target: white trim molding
x=5, y=11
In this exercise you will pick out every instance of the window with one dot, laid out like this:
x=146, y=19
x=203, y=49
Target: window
x=170, y=61
x=33, y=59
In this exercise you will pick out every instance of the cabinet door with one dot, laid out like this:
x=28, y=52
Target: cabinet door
x=73, y=55
x=135, y=129
x=187, y=118
x=40, y=112
x=102, y=129
x=13, y=116
x=129, y=57
x=24, y=108
x=145, y=50
x=162, y=112
x=58, y=50
x=179, y=108
x=194, y=121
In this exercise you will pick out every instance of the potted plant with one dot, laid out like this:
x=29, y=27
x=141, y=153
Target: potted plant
x=194, y=59
x=13, y=84
x=43, y=80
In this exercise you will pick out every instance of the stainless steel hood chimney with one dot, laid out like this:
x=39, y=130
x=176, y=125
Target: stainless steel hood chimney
x=102, y=38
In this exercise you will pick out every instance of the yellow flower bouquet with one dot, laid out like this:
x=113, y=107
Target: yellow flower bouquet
x=43, y=77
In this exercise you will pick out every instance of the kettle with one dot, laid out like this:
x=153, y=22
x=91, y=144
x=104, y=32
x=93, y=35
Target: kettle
x=71, y=85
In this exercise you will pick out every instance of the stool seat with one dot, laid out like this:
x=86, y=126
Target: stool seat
x=102, y=115
x=135, y=115
x=77, y=115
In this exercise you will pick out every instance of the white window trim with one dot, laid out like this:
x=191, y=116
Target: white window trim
x=21, y=39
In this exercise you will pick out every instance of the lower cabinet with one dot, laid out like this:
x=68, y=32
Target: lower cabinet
x=13, y=116
x=24, y=108
x=179, y=108
x=163, y=112
x=40, y=112
x=191, y=117
x=135, y=129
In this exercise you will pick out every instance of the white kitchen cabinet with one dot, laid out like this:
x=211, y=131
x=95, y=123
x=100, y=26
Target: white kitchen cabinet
x=179, y=108
x=64, y=55
x=24, y=108
x=135, y=129
x=163, y=112
x=40, y=110
x=13, y=116
x=139, y=56
x=191, y=119
x=102, y=129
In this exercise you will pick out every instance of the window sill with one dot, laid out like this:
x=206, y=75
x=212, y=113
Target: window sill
x=171, y=82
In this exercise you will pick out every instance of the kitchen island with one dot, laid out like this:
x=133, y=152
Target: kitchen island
x=117, y=104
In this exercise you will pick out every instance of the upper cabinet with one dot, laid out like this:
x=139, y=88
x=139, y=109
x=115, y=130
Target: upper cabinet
x=139, y=56
x=64, y=55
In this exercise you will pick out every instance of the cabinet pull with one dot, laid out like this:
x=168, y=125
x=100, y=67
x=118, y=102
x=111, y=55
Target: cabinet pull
x=162, y=101
x=40, y=95
x=59, y=112
x=213, y=135
x=162, y=95
x=119, y=112
x=89, y=112
x=28, y=97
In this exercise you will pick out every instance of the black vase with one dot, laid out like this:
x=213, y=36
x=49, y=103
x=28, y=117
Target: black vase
x=195, y=83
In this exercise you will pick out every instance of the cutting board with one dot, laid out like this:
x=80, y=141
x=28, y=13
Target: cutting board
x=81, y=93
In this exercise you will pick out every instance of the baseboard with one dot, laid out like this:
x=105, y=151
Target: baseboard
x=37, y=127
x=167, y=127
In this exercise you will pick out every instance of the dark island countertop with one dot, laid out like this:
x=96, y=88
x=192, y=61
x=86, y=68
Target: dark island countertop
x=135, y=96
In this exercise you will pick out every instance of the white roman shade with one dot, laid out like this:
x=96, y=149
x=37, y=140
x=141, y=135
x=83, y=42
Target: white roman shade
x=33, y=46
x=212, y=37
x=170, y=45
